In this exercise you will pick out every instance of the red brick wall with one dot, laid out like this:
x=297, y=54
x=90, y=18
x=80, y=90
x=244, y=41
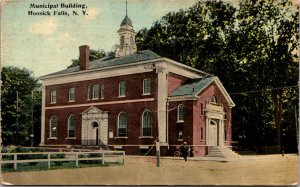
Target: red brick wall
x=134, y=89
x=175, y=81
x=134, y=117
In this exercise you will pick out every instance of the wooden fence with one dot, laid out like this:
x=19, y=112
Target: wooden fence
x=103, y=156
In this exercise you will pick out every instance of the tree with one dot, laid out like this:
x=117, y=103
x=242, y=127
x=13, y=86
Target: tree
x=251, y=48
x=19, y=94
x=94, y=55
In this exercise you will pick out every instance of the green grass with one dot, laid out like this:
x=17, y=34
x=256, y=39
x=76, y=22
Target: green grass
x=55, y=165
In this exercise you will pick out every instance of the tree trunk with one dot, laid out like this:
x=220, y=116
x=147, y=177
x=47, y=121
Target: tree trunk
x=277, y=99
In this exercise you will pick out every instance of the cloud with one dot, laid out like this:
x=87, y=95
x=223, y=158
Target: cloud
x=92, y=13
x=46, y=27
x=63, y=38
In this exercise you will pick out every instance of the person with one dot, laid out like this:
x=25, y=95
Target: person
x=184, y=150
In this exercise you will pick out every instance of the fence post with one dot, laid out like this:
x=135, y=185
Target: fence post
x=15, y=161
x=49, y=163
x=76, y=159
x=102, y=157
x=123, y=157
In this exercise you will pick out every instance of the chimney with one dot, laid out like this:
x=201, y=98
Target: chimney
x=84, y=57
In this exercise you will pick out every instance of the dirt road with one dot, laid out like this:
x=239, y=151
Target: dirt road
x=255, y=170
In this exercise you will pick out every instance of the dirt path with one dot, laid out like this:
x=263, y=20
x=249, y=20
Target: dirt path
x=260, y=170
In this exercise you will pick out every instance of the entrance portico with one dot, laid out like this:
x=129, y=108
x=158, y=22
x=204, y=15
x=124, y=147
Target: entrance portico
x=94, y=127
x=214, y=125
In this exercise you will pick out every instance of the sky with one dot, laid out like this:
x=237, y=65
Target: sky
x=45, y=44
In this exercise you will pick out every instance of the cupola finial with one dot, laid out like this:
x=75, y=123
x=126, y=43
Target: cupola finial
x=126, y=8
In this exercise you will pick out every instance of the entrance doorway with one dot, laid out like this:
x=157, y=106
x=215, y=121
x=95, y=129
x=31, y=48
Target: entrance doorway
x=95, y=133
x=214, y=132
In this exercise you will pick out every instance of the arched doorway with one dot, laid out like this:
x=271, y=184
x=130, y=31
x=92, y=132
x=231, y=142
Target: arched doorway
x=214, y=132
x=95, y=133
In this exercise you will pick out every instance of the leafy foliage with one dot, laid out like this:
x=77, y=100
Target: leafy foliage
x=16, y=121
x=251, y=48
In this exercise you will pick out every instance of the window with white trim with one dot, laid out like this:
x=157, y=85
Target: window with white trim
x=53, y=127
x=213, y=99
x=180, y=135
x=102, y=91
x=180, y=113
x=201, y=133
x=53, y=96
x=72, y=94
x=71, y=126
x=146, y=86
x=122, y=125
x=122, y=89
x=96, y=91
x=147, y=123
x=88, y=93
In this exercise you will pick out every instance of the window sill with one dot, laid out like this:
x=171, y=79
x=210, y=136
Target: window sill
x=52, y=138
x=121, y=137
x=121, y=96
x=141, y=137
x=144, y=94
x=179, y=121
x=102, y=98
x=53, y=103
x=72, y=101
x=179, y=139
x=201, y=140
x=71, y=138
x=95, y=99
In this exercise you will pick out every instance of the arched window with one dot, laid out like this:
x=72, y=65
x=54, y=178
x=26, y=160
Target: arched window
x=122, y=40
x=180, y=113
x=71, y=126
x=147, y=123
x=213, y=99
x=131, y=40
x=122, y=124
x=53, y=127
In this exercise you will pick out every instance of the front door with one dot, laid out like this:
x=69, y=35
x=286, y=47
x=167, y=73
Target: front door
x=214, y=133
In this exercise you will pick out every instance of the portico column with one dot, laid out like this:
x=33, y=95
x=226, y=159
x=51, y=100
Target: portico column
x=42, y=143
x=207, y=130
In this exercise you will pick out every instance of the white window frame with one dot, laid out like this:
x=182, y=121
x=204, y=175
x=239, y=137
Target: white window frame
x=147, y=136
x=179, y=113
x=72, y=94
x=122, y=83
x=69, y=127
x=95, y=96
x=213, y=99
x=123, y=136
x=144, y=90
x=50, y=124
x=88, y=93
x=53, y=96
x=180, y=136
x=102, y=87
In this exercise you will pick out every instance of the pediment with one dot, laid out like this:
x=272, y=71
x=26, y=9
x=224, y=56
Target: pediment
x=93, y=110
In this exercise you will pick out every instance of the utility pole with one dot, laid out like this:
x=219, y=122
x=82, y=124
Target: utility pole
x=31, y=135
x=297, y=129
x=17, y=120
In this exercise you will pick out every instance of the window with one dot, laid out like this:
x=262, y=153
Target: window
x=122, y=89
x=72, y=94
x=225, y=115
x=201, y=133
x=53, y=127
x=88, y=94
x=131, y=40
x=122, y=40
x=53, y=96
x=180, y=135
x=122, y=124
x=146, y=86
x=213, y=99
x=102, y=91
x=147, y=123
x=96, y=91
x=201, y=109
x=71, y=126
x=180, y=113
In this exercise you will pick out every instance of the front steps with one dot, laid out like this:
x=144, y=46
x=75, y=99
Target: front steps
x=222, y=152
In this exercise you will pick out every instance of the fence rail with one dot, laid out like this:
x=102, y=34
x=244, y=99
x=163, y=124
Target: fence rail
x=103, y=156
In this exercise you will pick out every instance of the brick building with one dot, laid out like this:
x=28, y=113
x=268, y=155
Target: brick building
x=129, y=101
